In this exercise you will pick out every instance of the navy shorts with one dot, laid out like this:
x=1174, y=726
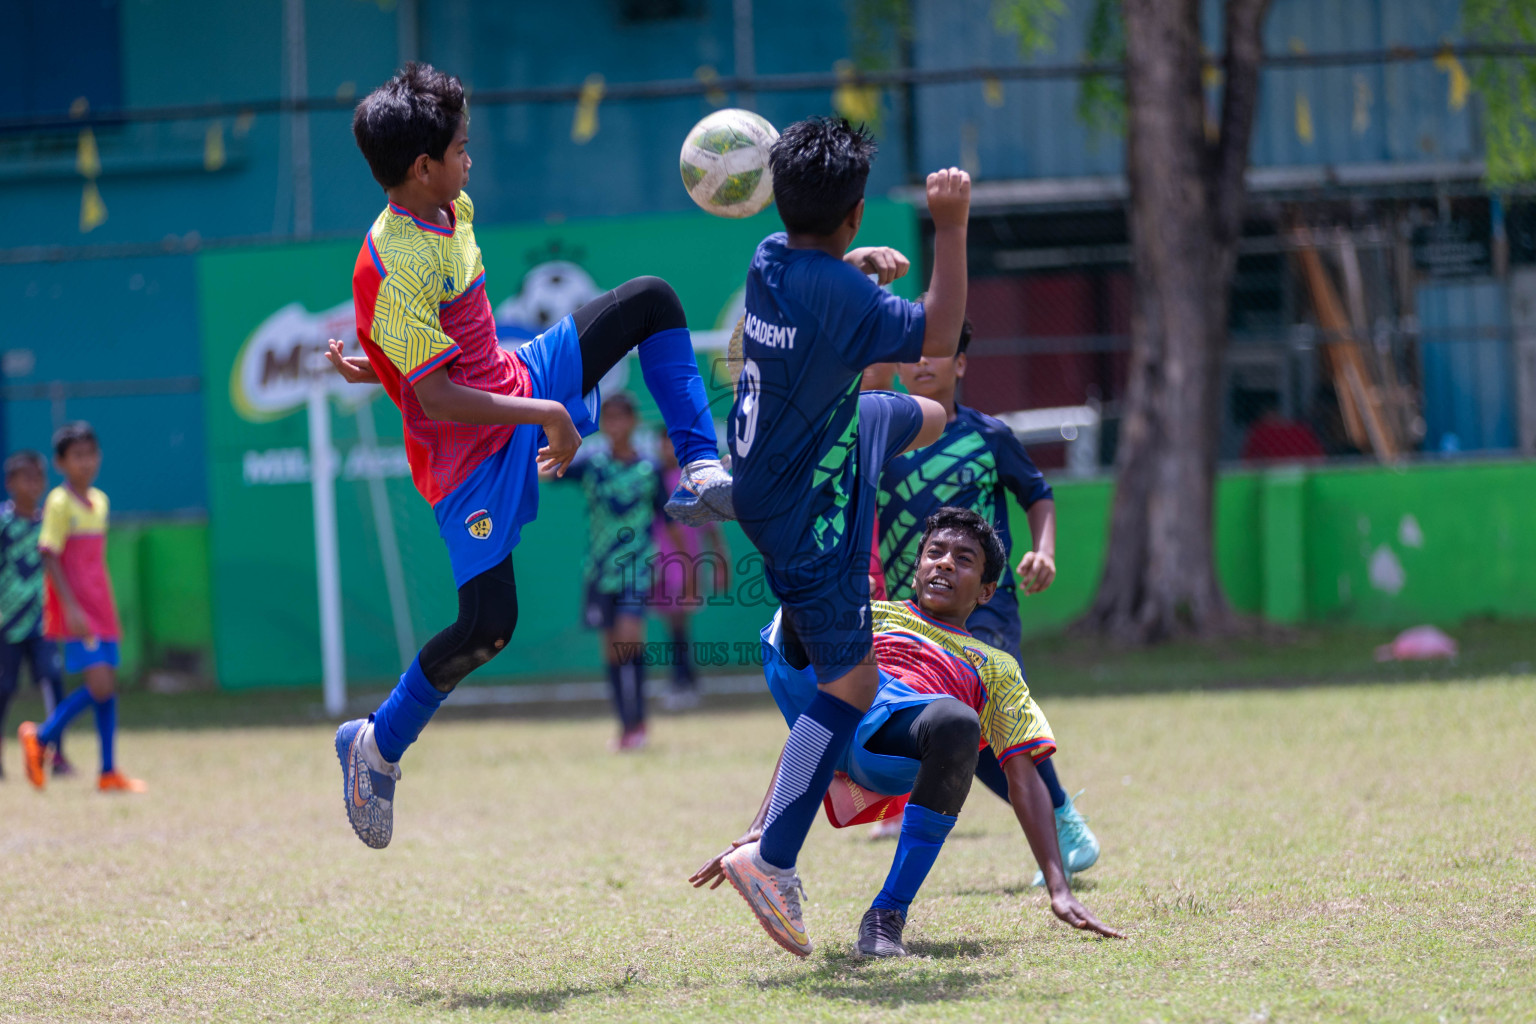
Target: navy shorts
x=825, y=597
x=481, y=519
x=793, y=690
x=603, y=607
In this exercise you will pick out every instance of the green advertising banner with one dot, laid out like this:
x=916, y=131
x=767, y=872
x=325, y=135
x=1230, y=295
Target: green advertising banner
x=265, y=316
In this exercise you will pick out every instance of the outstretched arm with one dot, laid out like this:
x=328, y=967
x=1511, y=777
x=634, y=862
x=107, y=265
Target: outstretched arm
x=710, y=869
x=1032, y=806
x=949, y=204
x=934, y=421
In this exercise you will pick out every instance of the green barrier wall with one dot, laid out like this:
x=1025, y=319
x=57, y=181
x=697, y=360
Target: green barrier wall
x=261, y=533
x=1369, y=545
x=161, y=579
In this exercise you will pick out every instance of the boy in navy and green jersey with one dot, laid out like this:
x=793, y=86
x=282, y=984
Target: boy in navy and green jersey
x=807, y=448
x=975, y=464
x=21, y=593
x=625, y=494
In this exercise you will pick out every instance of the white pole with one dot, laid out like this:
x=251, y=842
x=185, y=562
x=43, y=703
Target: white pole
x=389, y=548
x=322, y=478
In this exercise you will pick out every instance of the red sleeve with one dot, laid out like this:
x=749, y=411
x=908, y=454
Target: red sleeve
x=876, y=570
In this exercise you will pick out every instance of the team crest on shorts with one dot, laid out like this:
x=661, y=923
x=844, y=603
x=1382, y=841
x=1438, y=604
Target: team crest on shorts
x=478, y=524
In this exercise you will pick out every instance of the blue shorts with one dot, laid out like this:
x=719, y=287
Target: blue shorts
x=997, y=624
x=481, y=519
x=825, y=596
x=80, y=655
x=793, y=690
x=603, y=608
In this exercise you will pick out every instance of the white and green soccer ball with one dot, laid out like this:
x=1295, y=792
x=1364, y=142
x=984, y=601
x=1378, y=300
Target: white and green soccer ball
x=725, y=163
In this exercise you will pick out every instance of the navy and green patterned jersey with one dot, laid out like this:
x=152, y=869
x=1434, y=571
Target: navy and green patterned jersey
x=812, y=324
x=972, y=465
x=623, y=501
x=21, y=575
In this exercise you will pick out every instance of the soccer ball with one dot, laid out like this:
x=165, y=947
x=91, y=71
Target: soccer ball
x=725, y=163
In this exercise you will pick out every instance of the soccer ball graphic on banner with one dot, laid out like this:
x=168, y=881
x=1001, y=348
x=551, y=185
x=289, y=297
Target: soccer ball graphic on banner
x=725, y=163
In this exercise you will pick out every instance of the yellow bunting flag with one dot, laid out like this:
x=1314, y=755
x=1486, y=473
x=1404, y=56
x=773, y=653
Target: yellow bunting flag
x=243, y=124
x=87, y=157
x=709, y=76
x=1304, y=130
x=584, y=127
x=213, y=147
x=92, y=210
x=992, y=91
x=858, y=103
x=1363, y=100
x=1459, y=87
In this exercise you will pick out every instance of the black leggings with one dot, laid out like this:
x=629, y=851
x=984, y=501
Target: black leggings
x=942, y=734
x=608, y=328
x=612, y=324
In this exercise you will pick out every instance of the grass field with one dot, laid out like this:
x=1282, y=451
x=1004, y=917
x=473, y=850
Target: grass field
x=1310, y=854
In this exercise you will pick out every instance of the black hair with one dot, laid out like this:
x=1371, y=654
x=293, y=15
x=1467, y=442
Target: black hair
x=413, y=113
x=26, y=459
x=819, y=167
x=71, y=434
x=965, y=336
x=994, y=558
x=620, y=400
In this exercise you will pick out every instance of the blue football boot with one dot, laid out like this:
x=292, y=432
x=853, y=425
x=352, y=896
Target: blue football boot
x=703, y=494
x=1079, y=846
x=368, y=793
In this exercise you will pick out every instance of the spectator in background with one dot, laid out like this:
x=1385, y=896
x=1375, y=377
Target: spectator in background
x=21, y=594
x=79, y=610
x=681, y=601
x=1273, y=437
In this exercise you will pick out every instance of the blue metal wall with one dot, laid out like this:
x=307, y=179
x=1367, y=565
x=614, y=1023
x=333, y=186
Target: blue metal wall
x=1369, y=114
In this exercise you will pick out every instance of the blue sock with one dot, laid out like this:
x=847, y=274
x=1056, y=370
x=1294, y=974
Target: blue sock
x=405, y=712
x=672, y=376
x=106, y=730
x=53, y=729
x=820, y=736
x=1047, y=772
x=922, y=836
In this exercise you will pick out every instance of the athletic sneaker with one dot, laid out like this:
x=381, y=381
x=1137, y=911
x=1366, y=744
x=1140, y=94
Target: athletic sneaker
x=368, y=792
x=773, y=895
x=116, y=782
x=31, y=753
x=703, y=494
x=880, y=933
x=1079, y=846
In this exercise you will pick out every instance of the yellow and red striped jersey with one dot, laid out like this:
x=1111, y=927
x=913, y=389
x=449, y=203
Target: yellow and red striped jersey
x=419, y=293
x=932, y=657
x=75, y=529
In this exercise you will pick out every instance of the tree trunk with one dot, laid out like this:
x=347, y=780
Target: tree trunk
x=1186, y=200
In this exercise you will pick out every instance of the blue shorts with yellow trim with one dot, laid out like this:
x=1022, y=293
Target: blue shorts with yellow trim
x=481, y=520
x=793, y=690
x=80, y=655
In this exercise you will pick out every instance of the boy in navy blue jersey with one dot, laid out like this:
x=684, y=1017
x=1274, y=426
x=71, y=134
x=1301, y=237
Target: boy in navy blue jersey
x=976, y=464
x=807, y=448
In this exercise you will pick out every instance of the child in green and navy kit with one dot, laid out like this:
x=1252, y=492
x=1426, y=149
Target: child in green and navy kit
x=79, y=611
x=21, y=593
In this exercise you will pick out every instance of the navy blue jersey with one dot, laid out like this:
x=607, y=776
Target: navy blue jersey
x=21, y=576
x=971, y=465
x=623, y=501
x=812, y=324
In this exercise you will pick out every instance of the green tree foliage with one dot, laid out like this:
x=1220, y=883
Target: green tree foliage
x=1507, y=86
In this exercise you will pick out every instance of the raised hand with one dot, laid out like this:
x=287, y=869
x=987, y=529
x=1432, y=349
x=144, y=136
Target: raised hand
x=949, y=198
